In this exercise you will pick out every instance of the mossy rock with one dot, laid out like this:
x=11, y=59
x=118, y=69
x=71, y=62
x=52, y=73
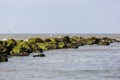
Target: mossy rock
x=65, y=39
x=42, y=46
x=74, y=39
x=36, y=48
x=61, y=45
x=22, y=49
x=19, y=41
x=103, y=43
x=92, y=40
x=52, y=40
x=78, y=40
x=35, y=40
x=106, y=39
x=3, y=48
x=50, y=45
x=10, y=44
x=3, y=57
x=3, y=43
x=47, y=45
x=72, y=45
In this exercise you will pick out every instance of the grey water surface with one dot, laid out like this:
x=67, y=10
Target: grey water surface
x=85, y=63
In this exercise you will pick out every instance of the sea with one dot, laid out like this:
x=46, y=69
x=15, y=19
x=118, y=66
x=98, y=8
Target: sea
x=89, y=62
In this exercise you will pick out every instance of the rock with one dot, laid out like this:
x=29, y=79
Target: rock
x=92, y=40
x=52, y=40
x=36, y=48
x=47, y=45
x=42, y=46
x=3, y=55
x=39, y=55
x=103, y=43
x=65, y=39
x=50, y=45
x=35, y=40
x=78, y=40
x=61, y=45
x=22, y=49
x=115, y=40
x=106, y=39
x=72, y=45
x=10, y=44
x=19, y=41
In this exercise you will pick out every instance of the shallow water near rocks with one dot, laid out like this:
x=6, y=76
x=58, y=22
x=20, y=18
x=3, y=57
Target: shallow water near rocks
x=85, y=63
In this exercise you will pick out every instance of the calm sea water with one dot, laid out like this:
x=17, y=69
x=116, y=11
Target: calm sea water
x=85, y=63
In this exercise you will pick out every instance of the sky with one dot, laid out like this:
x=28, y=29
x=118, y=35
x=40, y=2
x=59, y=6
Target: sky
x=59, y=16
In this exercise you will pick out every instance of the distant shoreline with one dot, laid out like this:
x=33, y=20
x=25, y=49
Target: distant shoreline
x=43, y=35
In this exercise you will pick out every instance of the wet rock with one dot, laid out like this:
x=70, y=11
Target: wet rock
x=19, y=41
x=39, y=55
x=78, y=40
x=115, y=40
x=3, y=55
x=61, y=45
x=22, y=49
x=35, y=40
x=52, y=40
x=10, y=44
x=50, y=45
x=72, y=45
x=103, y=43
x=106, y=39
x=36, y=48
x=42, y=46
x=65, y=39
x=92, y=40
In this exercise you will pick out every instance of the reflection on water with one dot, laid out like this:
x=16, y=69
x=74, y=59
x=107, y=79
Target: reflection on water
x=86, y=63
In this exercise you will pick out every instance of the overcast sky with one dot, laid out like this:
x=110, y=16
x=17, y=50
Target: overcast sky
x=60, y=16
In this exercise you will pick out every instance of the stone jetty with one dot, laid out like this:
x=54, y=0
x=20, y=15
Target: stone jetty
x=13, y=47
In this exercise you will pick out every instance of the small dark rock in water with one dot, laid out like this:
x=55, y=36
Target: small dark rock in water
x=3, y=57
x=39, y=55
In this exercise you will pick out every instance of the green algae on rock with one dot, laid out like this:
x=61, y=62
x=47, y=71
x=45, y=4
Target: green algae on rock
x=22, y=49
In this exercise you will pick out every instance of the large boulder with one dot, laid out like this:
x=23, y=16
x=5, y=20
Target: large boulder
x=61, y=45
x=22, y=49
x=106, y=41
x=35, y=40
x=3, y=57
x=78, y=40
x=65, y=39
x=42, y=46
x=10, y=44
x=19, y=41
x=3, y=54
x=50, y=45
x=72, y=45
x=92, y=40
x=3, y=44
x=36, y=48
x=47, y=45
x=102, y=42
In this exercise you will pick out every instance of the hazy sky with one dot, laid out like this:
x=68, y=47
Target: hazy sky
x=60, y=16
